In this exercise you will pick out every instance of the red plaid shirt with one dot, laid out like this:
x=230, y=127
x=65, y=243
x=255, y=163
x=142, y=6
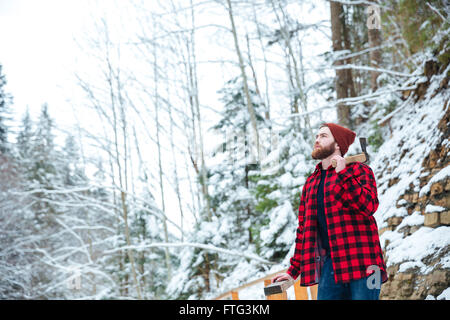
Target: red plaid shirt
x=350, y=200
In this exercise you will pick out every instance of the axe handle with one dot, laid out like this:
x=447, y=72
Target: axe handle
x=277, y=287
x=356, y=158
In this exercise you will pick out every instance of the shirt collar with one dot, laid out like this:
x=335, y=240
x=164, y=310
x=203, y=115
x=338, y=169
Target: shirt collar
x=319, y=167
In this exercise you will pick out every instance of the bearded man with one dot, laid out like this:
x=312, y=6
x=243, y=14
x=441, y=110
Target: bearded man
x=337, y=244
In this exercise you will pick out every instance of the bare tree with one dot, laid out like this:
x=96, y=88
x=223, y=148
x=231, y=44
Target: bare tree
x=296, y=70
x=262, y=47
x=250, y=108
x=158, y=143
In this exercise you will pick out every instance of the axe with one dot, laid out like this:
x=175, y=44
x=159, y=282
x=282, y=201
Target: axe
x=361, y=157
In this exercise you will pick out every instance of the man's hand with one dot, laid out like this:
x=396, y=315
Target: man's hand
x=282, y=277
x=340, y=162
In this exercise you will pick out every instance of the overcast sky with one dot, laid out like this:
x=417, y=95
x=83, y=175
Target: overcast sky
x=38, y=52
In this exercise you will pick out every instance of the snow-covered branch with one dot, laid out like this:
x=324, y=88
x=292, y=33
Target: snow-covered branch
x=350, y=101
x=437, y=11
x=359, y=2
x=148, y=207
x=366, y=68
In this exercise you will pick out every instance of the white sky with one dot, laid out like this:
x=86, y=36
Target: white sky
x=37, y=51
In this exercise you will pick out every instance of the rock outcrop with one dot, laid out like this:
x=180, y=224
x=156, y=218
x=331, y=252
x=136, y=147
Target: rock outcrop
x=414, y=193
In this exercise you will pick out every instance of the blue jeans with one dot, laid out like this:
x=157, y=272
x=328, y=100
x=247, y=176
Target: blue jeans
x=354, y=290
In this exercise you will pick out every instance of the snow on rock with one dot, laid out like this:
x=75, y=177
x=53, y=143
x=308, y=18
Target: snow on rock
x=441, y=175
x=431, y=208
x=414, y=219
x=445, y=295
x=390, y=212
x=410, y=251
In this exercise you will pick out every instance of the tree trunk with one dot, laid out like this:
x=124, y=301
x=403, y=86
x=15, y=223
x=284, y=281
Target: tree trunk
x=175, y=171
x=255, y=80
x=300, y=95
x=375, y=55
x=250, y=108
x=195, y=106
x=111, y=77
x=266, y=77
x=161, y=184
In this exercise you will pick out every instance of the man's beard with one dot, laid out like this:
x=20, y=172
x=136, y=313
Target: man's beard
x=321, y=153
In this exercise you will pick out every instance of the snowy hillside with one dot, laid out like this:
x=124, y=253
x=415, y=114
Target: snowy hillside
x=413, y=179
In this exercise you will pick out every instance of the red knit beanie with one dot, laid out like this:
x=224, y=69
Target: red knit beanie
x=343, y=136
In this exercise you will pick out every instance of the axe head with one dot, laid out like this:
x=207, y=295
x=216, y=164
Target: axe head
x=363, y=143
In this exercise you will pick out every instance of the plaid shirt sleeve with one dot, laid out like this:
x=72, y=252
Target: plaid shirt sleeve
x=356, y=188
x=294, y=269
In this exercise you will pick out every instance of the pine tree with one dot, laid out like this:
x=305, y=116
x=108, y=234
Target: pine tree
x=24, y=140
x=202, y=271
x=232, y=200
x=277, y=191
x=146, y=229
x=72, y=168
x=43, y=173
x=5, y=102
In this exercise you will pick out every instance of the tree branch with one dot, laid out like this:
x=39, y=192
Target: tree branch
x=195, y=245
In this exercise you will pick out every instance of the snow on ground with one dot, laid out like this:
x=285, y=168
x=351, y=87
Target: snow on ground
x=411, y=250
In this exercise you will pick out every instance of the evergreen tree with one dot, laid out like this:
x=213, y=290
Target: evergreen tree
x=277, y=191
x=200, y=271
x=231, y=199
x=24, y=141
x=43, y=172
x=72, y=167
x=145, y=229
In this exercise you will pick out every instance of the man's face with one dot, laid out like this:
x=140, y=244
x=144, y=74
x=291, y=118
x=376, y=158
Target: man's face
x=324, y=145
